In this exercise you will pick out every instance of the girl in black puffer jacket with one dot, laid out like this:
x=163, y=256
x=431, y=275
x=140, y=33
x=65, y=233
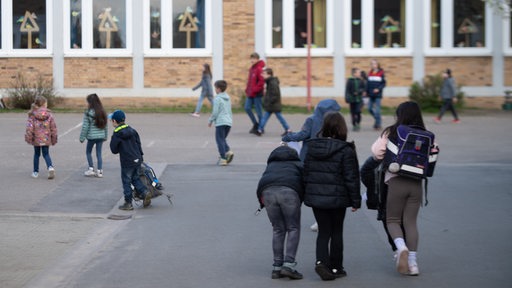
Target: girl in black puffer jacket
x=331, y=174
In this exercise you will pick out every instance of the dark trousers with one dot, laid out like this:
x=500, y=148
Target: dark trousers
x=329, y=241
x=130, y=176
x=46, y=156
x=221, y=133
x=448, y=105
x=355, y=112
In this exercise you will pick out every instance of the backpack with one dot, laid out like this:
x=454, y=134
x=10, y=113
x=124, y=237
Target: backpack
x=148, y=177
x=412, y=153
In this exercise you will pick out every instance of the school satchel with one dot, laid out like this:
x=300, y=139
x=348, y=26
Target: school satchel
x=413, y=153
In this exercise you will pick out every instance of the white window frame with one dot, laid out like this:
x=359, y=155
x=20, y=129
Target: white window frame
x=447, y=48
x=87, y=49
x=507, y=47
x=7, y=49
x=367, y=17
x=288, y=49
x=167, y=49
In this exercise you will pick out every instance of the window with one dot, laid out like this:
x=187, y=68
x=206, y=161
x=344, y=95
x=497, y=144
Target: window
x=457, y=28
x=29, y=24
x=177, y=27
x=469, y=23
x=384, y=24
x=286, y=30
x=97, y=27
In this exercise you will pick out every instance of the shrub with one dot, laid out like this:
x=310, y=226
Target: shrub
x=427, y=94
x=24, y=91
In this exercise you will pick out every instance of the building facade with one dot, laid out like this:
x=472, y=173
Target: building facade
x=152, y=51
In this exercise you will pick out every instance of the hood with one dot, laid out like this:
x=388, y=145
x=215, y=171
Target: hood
x=259, y=64
x=324, y=148
x=124, y=131
x=224, y=96
x=41, y=114
x=325, y=106
x=273, y=80
x=283, y=153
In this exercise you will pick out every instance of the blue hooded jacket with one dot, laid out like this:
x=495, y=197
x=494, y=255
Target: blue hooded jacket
x=312, y=125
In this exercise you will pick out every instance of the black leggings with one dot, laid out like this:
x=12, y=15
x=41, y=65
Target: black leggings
x=329, y=241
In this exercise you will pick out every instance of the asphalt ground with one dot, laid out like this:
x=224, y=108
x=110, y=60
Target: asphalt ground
x=57, y=233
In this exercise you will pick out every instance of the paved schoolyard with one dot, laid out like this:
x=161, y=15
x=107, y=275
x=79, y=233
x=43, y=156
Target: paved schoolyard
x=56, y=233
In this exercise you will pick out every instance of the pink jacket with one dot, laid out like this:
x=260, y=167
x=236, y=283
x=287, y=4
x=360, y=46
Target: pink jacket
x=41, y=128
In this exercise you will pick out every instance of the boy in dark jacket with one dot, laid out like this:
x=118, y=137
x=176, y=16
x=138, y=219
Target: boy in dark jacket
x=281, y=190
x=272, y=102
x=126, y=142
x=354, y=91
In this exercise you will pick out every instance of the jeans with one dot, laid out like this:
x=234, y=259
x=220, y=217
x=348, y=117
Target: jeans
x=88, y=152
x=283, y=210
x=221, y=133
x=279, y=117
x=448, y=105
x=329, y=241
x=200, y=101
x=46, y=156
x=374, y=109
x=129, y=176
x=256, y=102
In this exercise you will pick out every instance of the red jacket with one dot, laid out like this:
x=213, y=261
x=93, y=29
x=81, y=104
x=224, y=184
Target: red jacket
x=255, y=82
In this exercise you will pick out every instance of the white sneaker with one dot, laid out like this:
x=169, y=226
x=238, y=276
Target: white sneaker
x=34, y=175
x=51, y=172
x=229, y=156
x=413, y=269
x=89, y=172
x=402, y=261
x=314, y=227
x=99, y=174
x=197, y=115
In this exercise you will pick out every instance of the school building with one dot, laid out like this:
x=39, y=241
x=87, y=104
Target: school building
x=150, y=52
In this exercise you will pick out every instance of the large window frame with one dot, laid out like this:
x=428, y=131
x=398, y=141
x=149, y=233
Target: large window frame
x=7, y=49
x=167, y=49
x=367, y=30
x=447, y=48
x=87, y=49
x=288, y=18
x=507, y=36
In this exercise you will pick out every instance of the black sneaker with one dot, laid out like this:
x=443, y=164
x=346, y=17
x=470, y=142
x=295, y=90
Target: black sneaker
x=254, y=128
x=324, y=272
x=126, y=206
x=147, y=199
x=276, y=274
x=291, y=273
x=338, y=273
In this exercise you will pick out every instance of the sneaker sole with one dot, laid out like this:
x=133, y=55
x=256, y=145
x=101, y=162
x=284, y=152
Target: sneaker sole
x=51, y=174
x=324, y=273
x=229, y=158
x=403, y=266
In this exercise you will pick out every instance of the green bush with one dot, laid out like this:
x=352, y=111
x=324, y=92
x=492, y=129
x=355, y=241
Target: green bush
x=24, y=91
x=427, y=94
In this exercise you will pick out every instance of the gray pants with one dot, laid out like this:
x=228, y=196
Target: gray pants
x=403, y=204
x=283, y=210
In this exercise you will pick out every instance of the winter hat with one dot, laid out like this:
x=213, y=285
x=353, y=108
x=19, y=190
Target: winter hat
x=117, y=115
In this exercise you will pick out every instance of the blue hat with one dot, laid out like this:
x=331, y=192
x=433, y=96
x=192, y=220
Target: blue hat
x=117, y=115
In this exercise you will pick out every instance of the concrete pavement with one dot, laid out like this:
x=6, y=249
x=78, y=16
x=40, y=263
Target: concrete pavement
x=56, y=233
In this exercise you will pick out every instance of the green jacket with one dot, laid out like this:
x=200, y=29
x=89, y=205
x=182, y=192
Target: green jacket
x=221, y=113
x=89, y=129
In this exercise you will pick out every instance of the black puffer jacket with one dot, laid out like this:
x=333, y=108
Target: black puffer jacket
x=331, y=173
x=126, y=142
x=284, y=168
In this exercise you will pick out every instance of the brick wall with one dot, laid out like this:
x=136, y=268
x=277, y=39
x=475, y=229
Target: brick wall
x=98, y=73
x=508, y=71
x=292, y=72
x=467, y=71
x=238, y=44
x=31, y=69
x=173, y=72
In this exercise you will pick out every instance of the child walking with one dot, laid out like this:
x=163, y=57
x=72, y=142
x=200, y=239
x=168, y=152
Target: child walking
x=94, y=129
x=223, y=118
x=272, y=102
x=41, y=132
x=331, y=176
x=125, y=141
x=447, y=93
x=354, y=91
x=281, y=191
x=206, y=89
